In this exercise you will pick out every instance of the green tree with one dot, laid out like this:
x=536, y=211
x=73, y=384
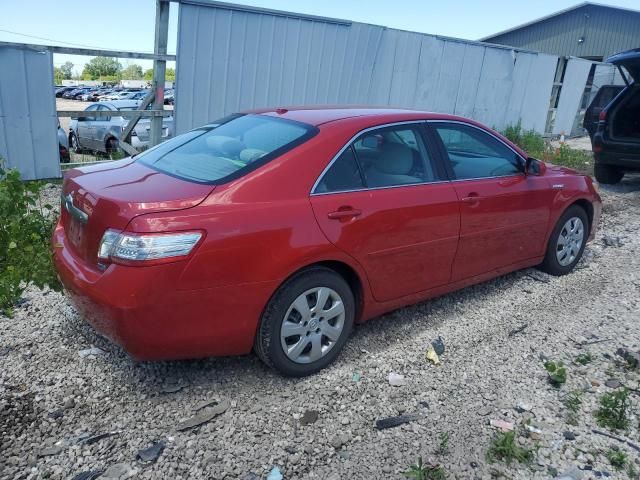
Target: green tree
x=58, y=75
x=132, y=72
x=67, y=70
x=170, y=74
x=99, y=67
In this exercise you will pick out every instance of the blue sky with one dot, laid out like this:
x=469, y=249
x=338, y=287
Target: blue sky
x=129, y=24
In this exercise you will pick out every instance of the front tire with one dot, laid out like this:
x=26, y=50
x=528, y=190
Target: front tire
x=306, y=323
x=607, y=174
x=567, y=242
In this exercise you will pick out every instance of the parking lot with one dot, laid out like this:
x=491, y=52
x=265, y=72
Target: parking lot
x=56, y=393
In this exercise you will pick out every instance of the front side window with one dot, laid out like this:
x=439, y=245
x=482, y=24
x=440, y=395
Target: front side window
x=473, y=153
x=385, y=157
x=226, y=149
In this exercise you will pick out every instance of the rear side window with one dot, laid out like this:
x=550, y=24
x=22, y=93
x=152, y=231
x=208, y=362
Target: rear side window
x=473, y=153
x=344, y=175
x=383, y=157
x=227, y=149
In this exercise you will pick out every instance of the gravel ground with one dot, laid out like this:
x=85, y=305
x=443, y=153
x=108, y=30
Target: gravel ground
x=55, y=399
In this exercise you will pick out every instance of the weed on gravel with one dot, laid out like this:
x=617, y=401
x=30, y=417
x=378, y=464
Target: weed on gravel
x=584, y=358
x=614, y=410
x=573, y=401
x=504, y=448
x=443, y=446
x=556, y=372
x=425, y=471
x=617, y=458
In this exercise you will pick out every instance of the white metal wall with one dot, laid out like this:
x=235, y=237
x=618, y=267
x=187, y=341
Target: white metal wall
x=230, y=60
x=28, y=121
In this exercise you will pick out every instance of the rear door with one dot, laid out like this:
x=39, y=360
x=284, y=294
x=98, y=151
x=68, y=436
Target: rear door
x=603, y=97
x=503, y=212
x=384, y=202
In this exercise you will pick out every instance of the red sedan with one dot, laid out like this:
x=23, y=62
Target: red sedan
x=277, y=230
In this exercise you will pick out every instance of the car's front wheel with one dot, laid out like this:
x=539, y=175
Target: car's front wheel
x=567, y=242
x=306, y=323
x=607, y=174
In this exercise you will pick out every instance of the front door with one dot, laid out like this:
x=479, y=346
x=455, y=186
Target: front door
x=383, y=202
x=86, y=127
x=504, y=213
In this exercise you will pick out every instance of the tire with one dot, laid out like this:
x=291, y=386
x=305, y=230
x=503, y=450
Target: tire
x=74, y=144
x=111, y=146
x=607, y=174
x=561, y=260
x=305, y=288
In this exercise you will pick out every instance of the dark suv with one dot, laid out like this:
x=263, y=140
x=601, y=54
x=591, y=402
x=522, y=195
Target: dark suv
x=616, y=140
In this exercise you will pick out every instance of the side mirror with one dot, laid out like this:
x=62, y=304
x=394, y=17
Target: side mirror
x=534, y=167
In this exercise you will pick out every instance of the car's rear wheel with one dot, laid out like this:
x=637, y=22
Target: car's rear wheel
x=112, y=146
x=567, y=242
x=74, y=144
x=306, y=323
x=607, y=174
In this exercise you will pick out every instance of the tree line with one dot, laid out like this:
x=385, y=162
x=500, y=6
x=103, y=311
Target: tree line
x=107, y=69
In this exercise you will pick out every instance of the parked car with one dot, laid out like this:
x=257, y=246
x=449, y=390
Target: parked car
x=169, y=97
x=616, y=142
x=63, y=90
x=78, y=95
x=63, y=145
x=71, y=92
x=116, y=95
x=277, y=230
x=102, y=134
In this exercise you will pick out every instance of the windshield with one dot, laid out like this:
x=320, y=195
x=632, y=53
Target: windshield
x=226, y=149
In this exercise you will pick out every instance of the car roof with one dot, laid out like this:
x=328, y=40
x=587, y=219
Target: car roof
x=320, y=114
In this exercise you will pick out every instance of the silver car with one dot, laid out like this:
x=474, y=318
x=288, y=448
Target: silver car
x=103, y=134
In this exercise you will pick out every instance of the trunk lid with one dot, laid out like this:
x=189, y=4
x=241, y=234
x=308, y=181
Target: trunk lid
x=630, y=60
x=109, y=195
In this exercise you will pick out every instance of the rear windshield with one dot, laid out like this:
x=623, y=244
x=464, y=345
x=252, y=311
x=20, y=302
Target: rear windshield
x=226, y=149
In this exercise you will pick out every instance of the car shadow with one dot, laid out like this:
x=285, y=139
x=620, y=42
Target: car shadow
x=630, y=183
x=248, y=370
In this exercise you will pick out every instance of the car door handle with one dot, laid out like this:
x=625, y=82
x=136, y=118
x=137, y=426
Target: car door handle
x=344, y=212
x=472, y=197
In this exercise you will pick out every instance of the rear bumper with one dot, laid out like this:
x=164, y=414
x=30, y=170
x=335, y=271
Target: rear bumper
x=619, y=159
x=143, y=310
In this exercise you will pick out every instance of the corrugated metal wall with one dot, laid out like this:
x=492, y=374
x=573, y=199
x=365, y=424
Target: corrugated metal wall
x=28, y=121
x=230, y=60
x=604, y=31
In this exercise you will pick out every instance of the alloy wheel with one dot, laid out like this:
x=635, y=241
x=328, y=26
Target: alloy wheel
x=312, y=325
x=570, y=241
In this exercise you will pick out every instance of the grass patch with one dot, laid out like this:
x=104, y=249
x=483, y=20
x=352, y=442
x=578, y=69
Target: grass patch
x=504, y=448
x=536, y=146
x=617, y=458
x=443, y=445
x=614, y=410
x=584, y=359
x=425, y=471
x=573, y=401
x=556, y=372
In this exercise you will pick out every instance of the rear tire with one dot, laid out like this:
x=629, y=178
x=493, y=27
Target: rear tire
x=112, y=146
x=74, y=144
x=607, y=174
x=563, y=250
x=300, y=334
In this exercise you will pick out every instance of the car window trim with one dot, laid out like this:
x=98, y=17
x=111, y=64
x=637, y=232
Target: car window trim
x=445, y=154
x=350, y=143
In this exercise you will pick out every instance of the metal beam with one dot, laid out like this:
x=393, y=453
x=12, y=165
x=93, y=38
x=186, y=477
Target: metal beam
x=89, y=51
x=121, y=113
x=159, y=67
x=134, y=120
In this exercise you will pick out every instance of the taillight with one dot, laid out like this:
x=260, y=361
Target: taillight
x=603, y=115
x=146, y=248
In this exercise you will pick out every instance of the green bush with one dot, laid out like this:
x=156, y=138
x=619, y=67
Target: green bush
x=25, y=254
x=535, y=145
